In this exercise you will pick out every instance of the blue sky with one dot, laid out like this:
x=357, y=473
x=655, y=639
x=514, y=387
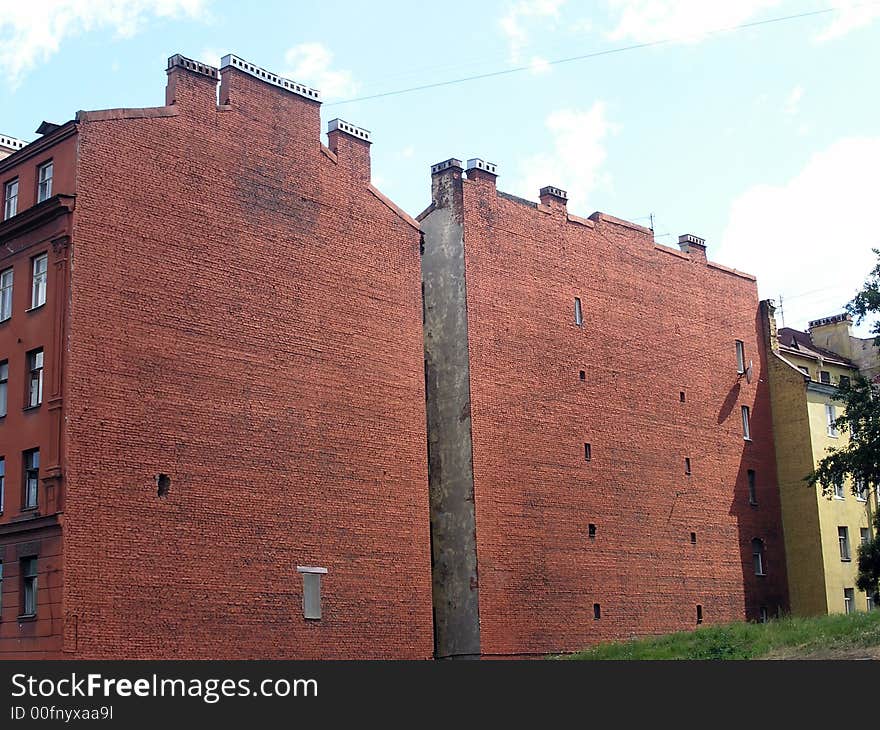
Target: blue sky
x=764, y=140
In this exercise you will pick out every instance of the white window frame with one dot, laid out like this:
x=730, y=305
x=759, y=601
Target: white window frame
x=740, y=357
x=843, y=544
x=758, y=557
x=839, y=491
x=31, y=496
x=578, y=312
x=864, y=535
x=830, y=418
x=35, y=364
x=45, y=175
x=849, y=599
x=861, y=490
x=29, y=586
x=6, y=282
x=311, y=583
x=2, y=483
x=10, y=199
x=39, y=279
x=747, y=427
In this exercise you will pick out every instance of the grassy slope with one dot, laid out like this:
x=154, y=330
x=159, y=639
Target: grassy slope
x=789, y=637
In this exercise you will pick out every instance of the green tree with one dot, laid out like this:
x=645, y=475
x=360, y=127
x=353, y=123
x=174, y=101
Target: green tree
x=860, y=458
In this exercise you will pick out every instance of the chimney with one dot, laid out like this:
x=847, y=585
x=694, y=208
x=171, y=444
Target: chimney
x=9, y=145
x=693, y=245
x=768, y=315
x=351, y=145
x=446, y=184
x=833, y=333
x=554, y=198
x=482, y=171
x=190, y=82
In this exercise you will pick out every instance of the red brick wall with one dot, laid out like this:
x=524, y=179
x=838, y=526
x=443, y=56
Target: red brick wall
x=246, y=318
x=655, y=324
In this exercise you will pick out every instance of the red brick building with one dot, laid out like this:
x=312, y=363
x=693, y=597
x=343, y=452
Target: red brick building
x=214, y=425
x=591, y=476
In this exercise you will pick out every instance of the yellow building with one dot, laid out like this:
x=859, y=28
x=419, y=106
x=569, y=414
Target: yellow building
x=822, y=534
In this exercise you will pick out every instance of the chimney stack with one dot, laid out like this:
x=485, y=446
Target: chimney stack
x=351, y=145
x=693, y=245
x=8, y=145
x=482, y=171
x=190, y=82
x=833, y=333
x=446, y=183
x=554, y=198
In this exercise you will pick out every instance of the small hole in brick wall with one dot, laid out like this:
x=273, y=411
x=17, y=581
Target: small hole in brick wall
x=591, y=531
x=597, y=611
x=583, y=374
x=687, y=465
x=693, y=538
x=699, y=614
x=681, y=396
x=163, y=482
x=588, y=452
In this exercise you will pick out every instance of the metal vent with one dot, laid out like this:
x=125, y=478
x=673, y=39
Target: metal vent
x=11, y=143
x=343, y=126
x=445, y=165
x=179, y=61
x=292, y=86
x=556, y=192
x=475, y=163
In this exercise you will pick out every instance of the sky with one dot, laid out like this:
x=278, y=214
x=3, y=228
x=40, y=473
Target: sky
x=735, y=121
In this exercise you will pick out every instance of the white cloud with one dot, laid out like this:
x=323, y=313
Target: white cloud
x=539, y=65
x=519, y=15
x=793, y=100
x=810, y=238
x=850, y=15
x=309, y=63
x=576, y=157
x=644, y=21
x=32, y=32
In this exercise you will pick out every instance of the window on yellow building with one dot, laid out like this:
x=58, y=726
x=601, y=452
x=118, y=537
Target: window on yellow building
x=830, y=418
x=843, y=539
x=825, y=377
x=849, y=600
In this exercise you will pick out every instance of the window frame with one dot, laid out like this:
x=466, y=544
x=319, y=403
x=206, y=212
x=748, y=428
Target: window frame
x=746, y=422
x=825, y=377
x=849, y=600
x=578, y=312
x=844, y=544
x=830, y=418
x=759, y=557
x=4, y=390
x=39, y=280
x=7, y=198
x=861, y=490
x=312, y=611
x=2, y=483
x=30, y=368
x=740, y=356
x=30, y=466
x=45, y=182
x=4, y=315
x=752, y=480
x=839, y=490
x=29, y=585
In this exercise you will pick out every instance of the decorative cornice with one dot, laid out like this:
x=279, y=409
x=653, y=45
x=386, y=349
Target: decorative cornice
x=29, y=525
x=34, y=217
x=37, y=147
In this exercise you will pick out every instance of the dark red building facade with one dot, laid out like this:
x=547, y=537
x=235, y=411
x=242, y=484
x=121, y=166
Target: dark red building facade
x=591, y=476
x=226, y=456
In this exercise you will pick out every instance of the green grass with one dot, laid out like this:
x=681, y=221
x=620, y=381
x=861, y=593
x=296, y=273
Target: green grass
x=789, y=637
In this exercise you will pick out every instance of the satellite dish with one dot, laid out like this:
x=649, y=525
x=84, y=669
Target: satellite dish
x=749, y=372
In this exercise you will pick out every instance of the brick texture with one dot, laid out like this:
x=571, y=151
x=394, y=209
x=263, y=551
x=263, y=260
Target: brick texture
x=656, y=323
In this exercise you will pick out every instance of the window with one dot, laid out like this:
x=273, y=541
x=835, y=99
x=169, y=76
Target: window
x=588, y=452
x=864, y=535
x=843, y=539
x=831, y=417
x=31, y=477
x=693, y=538
x=740, y=357
x=861, y=490
x=29, y=586
x=583, y=374
x=747, y=430
x=5, y=295
x=592, y=531
x=825, y=377
x=849, y=600
x=4, y=386
x=2, y=483
x=844, y=380
x=1, y=588
x=681, y=396
x=44, y=181
x=311, y=602
x=597, y=611
x=39, y=265
x=699, y=614
x=758, y=556
x=753, y=497
x=10, y=199
x=869, y=603
x=687, y=465
x=763, y=615
x=838, y=490
x=578, y=312
x=35, y=378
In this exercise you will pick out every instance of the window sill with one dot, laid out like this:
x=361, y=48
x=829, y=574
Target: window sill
x=32, y=408
x=839, y=499
x=747, y=439
x=761, y=575
x=846, y=560
x=34, y=309
x=752, y=503
x=25, y=618
x=30, y=511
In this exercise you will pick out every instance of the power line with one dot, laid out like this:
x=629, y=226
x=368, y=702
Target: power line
x=596, y=54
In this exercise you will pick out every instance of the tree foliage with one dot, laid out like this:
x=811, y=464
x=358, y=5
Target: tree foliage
x=859, y=460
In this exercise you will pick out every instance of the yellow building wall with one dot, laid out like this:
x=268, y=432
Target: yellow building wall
x=795, y=459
